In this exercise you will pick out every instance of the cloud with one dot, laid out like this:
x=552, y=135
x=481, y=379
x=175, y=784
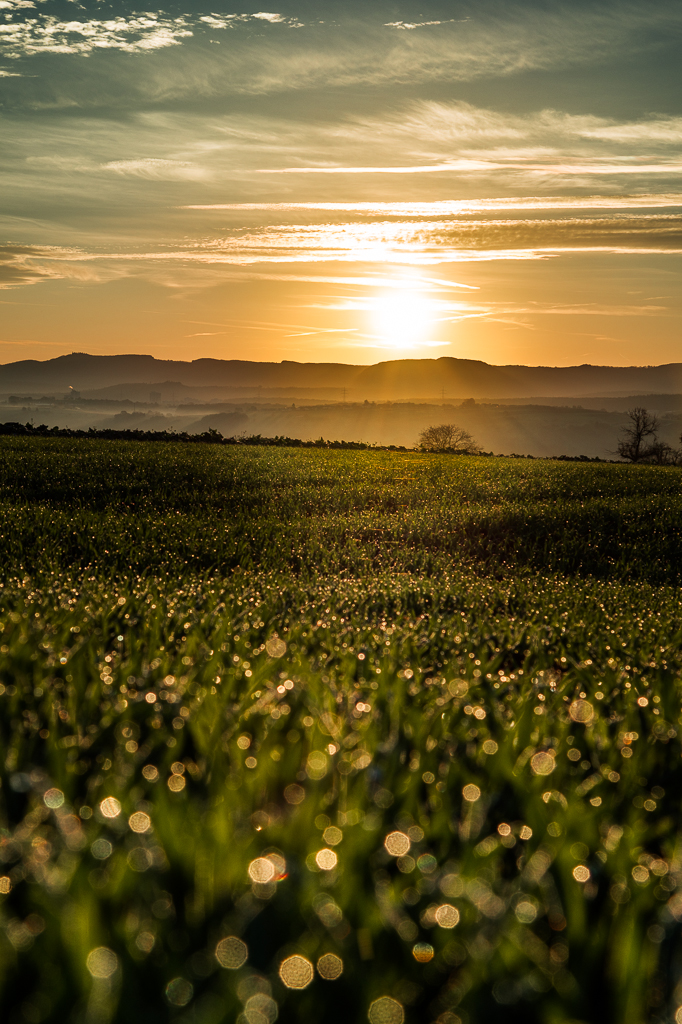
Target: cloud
x=667, y=130
x=458, y=138
x=455, y=240
x=348, y=50
x=32, y=264
x=409, y=25
x=48, y=34
x=156, y=169
x=454, y=207
x=444, y=125
x=543, y=150
x=142, y=33
x=464, y=239
x=145, y=169
x=452, y=166
x=225, y=21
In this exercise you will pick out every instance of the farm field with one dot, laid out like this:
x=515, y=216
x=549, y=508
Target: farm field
x=332, y=736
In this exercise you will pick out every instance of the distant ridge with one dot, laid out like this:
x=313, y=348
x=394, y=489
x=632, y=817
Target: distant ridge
x=395, y=379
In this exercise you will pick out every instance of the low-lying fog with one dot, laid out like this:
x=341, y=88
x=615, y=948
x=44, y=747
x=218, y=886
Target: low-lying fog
x=526, y=427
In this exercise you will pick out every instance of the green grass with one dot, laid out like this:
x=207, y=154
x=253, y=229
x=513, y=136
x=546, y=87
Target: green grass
x=153, y=508
x=441, y=617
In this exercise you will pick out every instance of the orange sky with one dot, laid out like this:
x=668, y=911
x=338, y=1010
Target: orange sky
x=477, y=180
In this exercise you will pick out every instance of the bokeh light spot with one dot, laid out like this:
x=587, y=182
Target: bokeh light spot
x=330, y=966
x=179, y=991
x=296, y=972
x=275, y=647
x=526, y=912
x=101, y=849
x=326, y=860
x=542, y=763
x=294, y=794
x=581, y=711
x=140, y=822
x=101, y=962
x=261, y=870
x=427, y=863
x=139, y=859
x=260, y=1008
x=471, y=793
x=397, y=844
x=386, y=1011
x=447, y=916
x=231, y=952
x=316, y=765
x=110, y=807
x=422, y=952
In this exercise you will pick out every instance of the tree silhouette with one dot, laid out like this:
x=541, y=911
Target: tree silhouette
x=633, y=444
x=447, y=438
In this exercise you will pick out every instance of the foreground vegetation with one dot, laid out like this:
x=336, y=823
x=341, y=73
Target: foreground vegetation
x=323, y=736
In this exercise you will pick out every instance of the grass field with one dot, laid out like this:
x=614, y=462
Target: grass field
x=335, y=736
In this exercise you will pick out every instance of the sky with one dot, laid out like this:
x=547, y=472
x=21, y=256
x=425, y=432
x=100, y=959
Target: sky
x=342, y=181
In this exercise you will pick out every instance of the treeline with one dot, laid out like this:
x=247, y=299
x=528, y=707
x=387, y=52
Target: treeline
x=213, y=436
x=182, y=437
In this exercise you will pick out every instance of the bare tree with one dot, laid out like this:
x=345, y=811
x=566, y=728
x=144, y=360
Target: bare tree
x=447, y=438
x=633, y=444
x=663, y=454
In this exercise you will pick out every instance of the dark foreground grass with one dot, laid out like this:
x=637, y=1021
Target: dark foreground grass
x=411, y=718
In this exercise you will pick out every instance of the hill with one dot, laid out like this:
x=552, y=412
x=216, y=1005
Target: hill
x=446, y=377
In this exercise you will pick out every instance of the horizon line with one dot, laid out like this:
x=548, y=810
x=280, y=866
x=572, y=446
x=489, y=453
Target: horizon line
x=360, y=366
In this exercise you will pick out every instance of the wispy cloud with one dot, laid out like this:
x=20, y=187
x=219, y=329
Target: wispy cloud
x=32, y=264
x=230, y=21
x=156, y=169
x=448, y=167
x=409, y=25
x=481, y=150
x=459, y=138
x=300, y=330
x=419, y=243
x=459, y=207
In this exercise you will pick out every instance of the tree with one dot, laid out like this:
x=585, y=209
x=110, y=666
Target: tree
x=663, y=454
x=447, y=438
x=633, y=444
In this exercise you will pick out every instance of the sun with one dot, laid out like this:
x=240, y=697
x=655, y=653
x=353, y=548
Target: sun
x=402, y=319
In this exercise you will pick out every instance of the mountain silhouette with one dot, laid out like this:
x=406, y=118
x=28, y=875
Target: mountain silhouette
x=391, y=380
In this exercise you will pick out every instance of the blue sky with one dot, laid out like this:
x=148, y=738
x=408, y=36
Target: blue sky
x=345, y=182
